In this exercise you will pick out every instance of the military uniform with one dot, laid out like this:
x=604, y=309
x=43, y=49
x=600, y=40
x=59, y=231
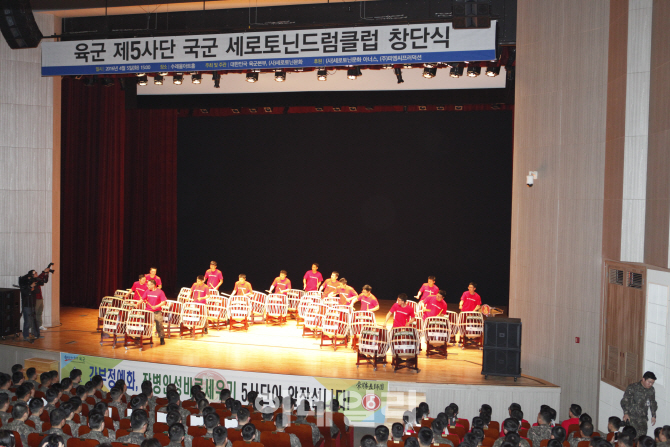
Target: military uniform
x=576, y=440
x=132, y=438
x=174, y=444
x=119, y=406
x=37, y=421
x=36, y=385
x=538, y=433
x=5, y=417
x=9, y=394
x=522, y=442
x=444, y=441
x=59, y=432
x=74, y=428
x=21, y=428
x=183, y=412
x=48, y=408
x=636, y=402
x=98, y=436
x=316, y=434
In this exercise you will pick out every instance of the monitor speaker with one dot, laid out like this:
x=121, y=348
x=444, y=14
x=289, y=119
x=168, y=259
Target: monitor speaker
x=18, y=25
x=502, y=347
x=10, y=312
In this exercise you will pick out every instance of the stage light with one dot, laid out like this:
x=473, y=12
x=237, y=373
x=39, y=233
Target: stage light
x=429, y=72
x=163, y=73
x=337, y=109
x=318, y=109
x=252, y=77
x=429, y=65
x=474, y=69
x=267, y=109
x=142, y=80
x=280, y=76
x=139, y=75
x=387, y=66
x=107, y=82
x=90, y=81
x=204, y=111
x=178, y=78
x=492, y=69
x=456, y=71
x=253, y=110
x=407, y=66
x=353, y=108
x=196, y=78
x=422, y=108
x=236, y=110
x=158, y=79
x=354, y=72
x=216, y=77
x=322, y=74
x=398, y=74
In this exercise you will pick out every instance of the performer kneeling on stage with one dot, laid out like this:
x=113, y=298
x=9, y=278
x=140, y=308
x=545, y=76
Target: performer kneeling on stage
x=156, y=300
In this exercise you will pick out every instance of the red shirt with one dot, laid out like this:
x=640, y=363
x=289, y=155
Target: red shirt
x=368, y=302
x=312, y=280
x=213, y=278
x=434, y=307
x=155, y=298
x=427, y=291
x=281, y=285
x=568, y=422
x=348, y=293
x=38, y=289
x=199, y=293
x=242, y=288
x=402, y=315
x=139, y=290
x=155, y=278
x=331, y=285
x=470, y=301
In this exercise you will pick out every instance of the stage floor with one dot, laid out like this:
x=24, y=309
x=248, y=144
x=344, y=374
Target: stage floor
x=266, y=349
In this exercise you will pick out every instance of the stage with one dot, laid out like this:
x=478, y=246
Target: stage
x=283, y=351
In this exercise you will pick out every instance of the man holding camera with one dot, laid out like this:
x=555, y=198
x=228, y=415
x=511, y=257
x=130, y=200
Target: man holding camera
x=28, y=294
x=42, y=279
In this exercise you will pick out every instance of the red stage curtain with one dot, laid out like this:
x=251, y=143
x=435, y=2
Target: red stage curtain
x=119, y=193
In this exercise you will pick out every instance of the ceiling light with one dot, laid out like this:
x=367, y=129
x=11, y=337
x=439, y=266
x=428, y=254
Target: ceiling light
x=492, y=69
x=429, y=72
x=474, y=69
x=142, y=80
x=354, y=72
x=387, y=66
x=178, y=78
x=322, y=74
x=252, y=77
x=196, y=78
x=280, y=76
x=456, y=71
x=158, y=79
x=163, y=73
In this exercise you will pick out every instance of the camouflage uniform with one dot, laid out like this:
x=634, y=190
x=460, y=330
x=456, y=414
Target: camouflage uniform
x=5, y=417
x=38, y=423
x=36, y=384
x=538, y=433
x=184, y=413
x=316, y=434
x=98, y=436
x=21, y=428
x=119, y=406
x=443, y=441
x=59, y=432
x=74, y=428
x=499, y=441
x=48, y=408
x=636, y=400
x=174, y=444
x=188, y=440
x=132, y=438
x=576, y=440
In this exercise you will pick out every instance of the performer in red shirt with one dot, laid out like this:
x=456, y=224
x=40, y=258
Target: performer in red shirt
x=312, y=279
x=156, y=278
x=139, y=287
x=213, y=276
x=368, y=300
x=199, y=290
x=242, y=287
x=428, y=289
x=470, y=300
x=434, y=306
x=281, y=283
x=347, y=293
x=155, y=299
x=331, y=285
x=403, y=313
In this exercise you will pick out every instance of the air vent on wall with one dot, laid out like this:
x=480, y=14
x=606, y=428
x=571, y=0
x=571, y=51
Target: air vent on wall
x=616, y=276
x=634, y=280
x=631, y=365
x=613, y=358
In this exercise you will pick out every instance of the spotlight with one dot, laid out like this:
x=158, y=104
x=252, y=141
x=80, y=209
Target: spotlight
x=90, y=82
x=407, y=66
x=163, y=73
x=353, y=108
x=318, y=109
x=196, y=78
x=440, y=107
x=337, y=109
x=139, y=75
x=236, y=110
x=253, y=110
x=178, y=78
x=492, y=69
x=456, y=71
x=387, y=66
x=280, y=76
x=204, y=111
x=429, y=72
x=474, y=69
x=158, y=79
x=430, y=65
x=423, y=108
x=142, y=80
x=107, y=82
x=354, y=72
x=267, y=109
x=252, y=77
x=322, y=74
x=216, y=77
x=398, y=74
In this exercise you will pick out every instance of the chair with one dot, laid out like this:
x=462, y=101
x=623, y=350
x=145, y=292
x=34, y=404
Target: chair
x=335, y=327
x=572, y=428
x=78, y=442
x=313, y=319
x=125, y=425
x=258, y=303
x=197, y=431
x=107, y=303
x=241, y=443
x=523, y=432
x=162, y=438
x=359, y=319
x=202, y=442
x=544, y=443
x=303, y=432
x=457, y=431
x=293, y=296
x=400, y=443
x=437, y=333
x=404, y=343
x=471, y=329
x=373, y=346
x=172, y=317
x=610, y=436
x=139, y=328
x=276, y=439
x=113, y=325
x=495, y=425
x=492, y=433
x=216, y=311
x=276, y=309
x=346, y=433
x=34, y=439
x=453, y=438
x=525, y=424
x=583, y=443
x=239, y=310
x=185, y=295
x=193, y=319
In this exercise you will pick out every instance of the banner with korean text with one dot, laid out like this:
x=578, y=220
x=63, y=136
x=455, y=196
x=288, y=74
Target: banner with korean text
x=364, y=402
x=328, y=47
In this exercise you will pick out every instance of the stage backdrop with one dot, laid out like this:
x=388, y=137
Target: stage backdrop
x=386, y=199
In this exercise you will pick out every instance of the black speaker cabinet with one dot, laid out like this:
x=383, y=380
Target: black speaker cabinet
x=18, y=25
x=502, y=347
x=10, y=312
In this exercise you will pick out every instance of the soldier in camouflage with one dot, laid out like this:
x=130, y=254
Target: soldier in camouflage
x=280, y=425
x=584, y=434
x=139, y=421
x=176, y=433
x=301, y=419
x=638, y=399
x=174, y=417
x=96, y=423
x=4, y=406
x=220, y=437
x=510, y=425
x=57, y=418
x=20, y=415
x=542, y=430
x=36, y=406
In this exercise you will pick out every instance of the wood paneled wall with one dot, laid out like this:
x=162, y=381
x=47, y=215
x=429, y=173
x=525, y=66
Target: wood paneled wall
x=556, y=256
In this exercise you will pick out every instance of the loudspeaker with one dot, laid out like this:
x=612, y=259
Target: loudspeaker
x=502, y=333
x=18, y=25
x=471, y=14
x=502, y=347
x=10, y=312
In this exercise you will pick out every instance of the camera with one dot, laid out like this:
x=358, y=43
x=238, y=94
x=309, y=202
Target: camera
x=49, y=267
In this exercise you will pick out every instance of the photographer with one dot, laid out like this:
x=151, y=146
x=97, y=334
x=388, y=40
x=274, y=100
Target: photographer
x=41, y=279
x=28, y=298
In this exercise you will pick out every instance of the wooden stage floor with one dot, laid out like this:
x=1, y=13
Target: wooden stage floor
x=271, y=349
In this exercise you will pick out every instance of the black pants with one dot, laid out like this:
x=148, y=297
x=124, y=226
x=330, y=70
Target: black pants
x=30, y=320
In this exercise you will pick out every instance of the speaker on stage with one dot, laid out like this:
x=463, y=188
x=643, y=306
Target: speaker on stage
x=502, y=347
x=10, y=312
x=18, y=25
